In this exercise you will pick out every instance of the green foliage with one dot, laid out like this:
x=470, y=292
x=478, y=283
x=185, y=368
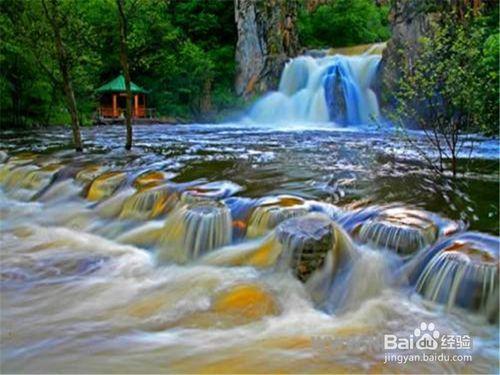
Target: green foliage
x=341, y=23
x=183, y=51
x=490, y=64
x=30, y=76
x=175, y=48
x=451, y=89
x=25, y=91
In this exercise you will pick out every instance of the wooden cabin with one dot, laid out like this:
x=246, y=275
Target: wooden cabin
x=113, y=101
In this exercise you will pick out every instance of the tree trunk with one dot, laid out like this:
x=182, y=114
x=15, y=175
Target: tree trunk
x=206, y=98
x=16, y=102
x=454, y=165
x=62, y=58
x=122, y=22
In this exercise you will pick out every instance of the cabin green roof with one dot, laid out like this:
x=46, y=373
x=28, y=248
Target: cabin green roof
x=118, y=85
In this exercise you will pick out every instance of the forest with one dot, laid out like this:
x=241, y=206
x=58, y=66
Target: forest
x=183, y=51
x=174, y=48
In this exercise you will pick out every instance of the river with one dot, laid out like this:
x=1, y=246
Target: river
x=182, y=270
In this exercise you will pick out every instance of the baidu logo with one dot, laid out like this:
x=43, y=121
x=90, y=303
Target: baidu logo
x=427, y=337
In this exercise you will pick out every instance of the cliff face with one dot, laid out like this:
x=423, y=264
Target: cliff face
x=409, y=22
x=267, y=37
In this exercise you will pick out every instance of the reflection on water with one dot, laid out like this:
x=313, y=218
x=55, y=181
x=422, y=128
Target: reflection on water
x=223, y=249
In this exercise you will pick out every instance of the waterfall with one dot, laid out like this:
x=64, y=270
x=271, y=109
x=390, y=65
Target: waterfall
x=334, y=88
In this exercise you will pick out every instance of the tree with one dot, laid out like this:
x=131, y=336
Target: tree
x=442, y=91
x=56, y=19
x=122, y=22
x=340, y=23
x=183, y=51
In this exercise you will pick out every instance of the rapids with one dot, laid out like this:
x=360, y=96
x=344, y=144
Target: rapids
x=233, y=249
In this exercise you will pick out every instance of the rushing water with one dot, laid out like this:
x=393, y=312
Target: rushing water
x=334, y=88
x=192, y=253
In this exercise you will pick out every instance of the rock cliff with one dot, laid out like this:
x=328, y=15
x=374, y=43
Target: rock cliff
x=410, y=20
x=267, y=37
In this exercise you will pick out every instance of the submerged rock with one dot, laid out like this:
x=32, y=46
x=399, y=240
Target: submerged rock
x=89, y=173
x=14, y=176
x=261, y=253
x=105, y=185
x=22, y=158
x=211, y=190
x=148, y=203
x=195, y=228
x=234, y=306
x=464, y=273
x=25, y=182
x=273, y=211
x=306, y=242
x=3, y=156
x=248, y=302
x=401, y=230
x=39, y=179
x=149, y=180
x=16, y=165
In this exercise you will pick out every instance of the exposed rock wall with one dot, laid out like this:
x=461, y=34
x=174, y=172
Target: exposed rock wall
x=267, y=37
x=410, y=20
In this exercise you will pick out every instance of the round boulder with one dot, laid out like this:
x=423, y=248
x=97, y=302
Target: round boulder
x=195, y=228
x=464, y=273
x=401, y=230
x=148, y=203
x=248, y=302
x=273, y=211
x=149, y=180
x=306, y=241
x=105, y=185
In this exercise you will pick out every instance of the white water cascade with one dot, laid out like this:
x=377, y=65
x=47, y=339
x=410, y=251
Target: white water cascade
x=336, y=88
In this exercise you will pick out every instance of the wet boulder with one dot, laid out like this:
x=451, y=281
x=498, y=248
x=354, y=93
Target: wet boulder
x=463, y=272
x=25, y=182
x=306, y=242
x=272, y=211
x=246, y=302
x=89, y=173
x=195, y=228
x=401, y=230
x=148, y=203
x=3, y=156
x=105, y=185
x=149, y=180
